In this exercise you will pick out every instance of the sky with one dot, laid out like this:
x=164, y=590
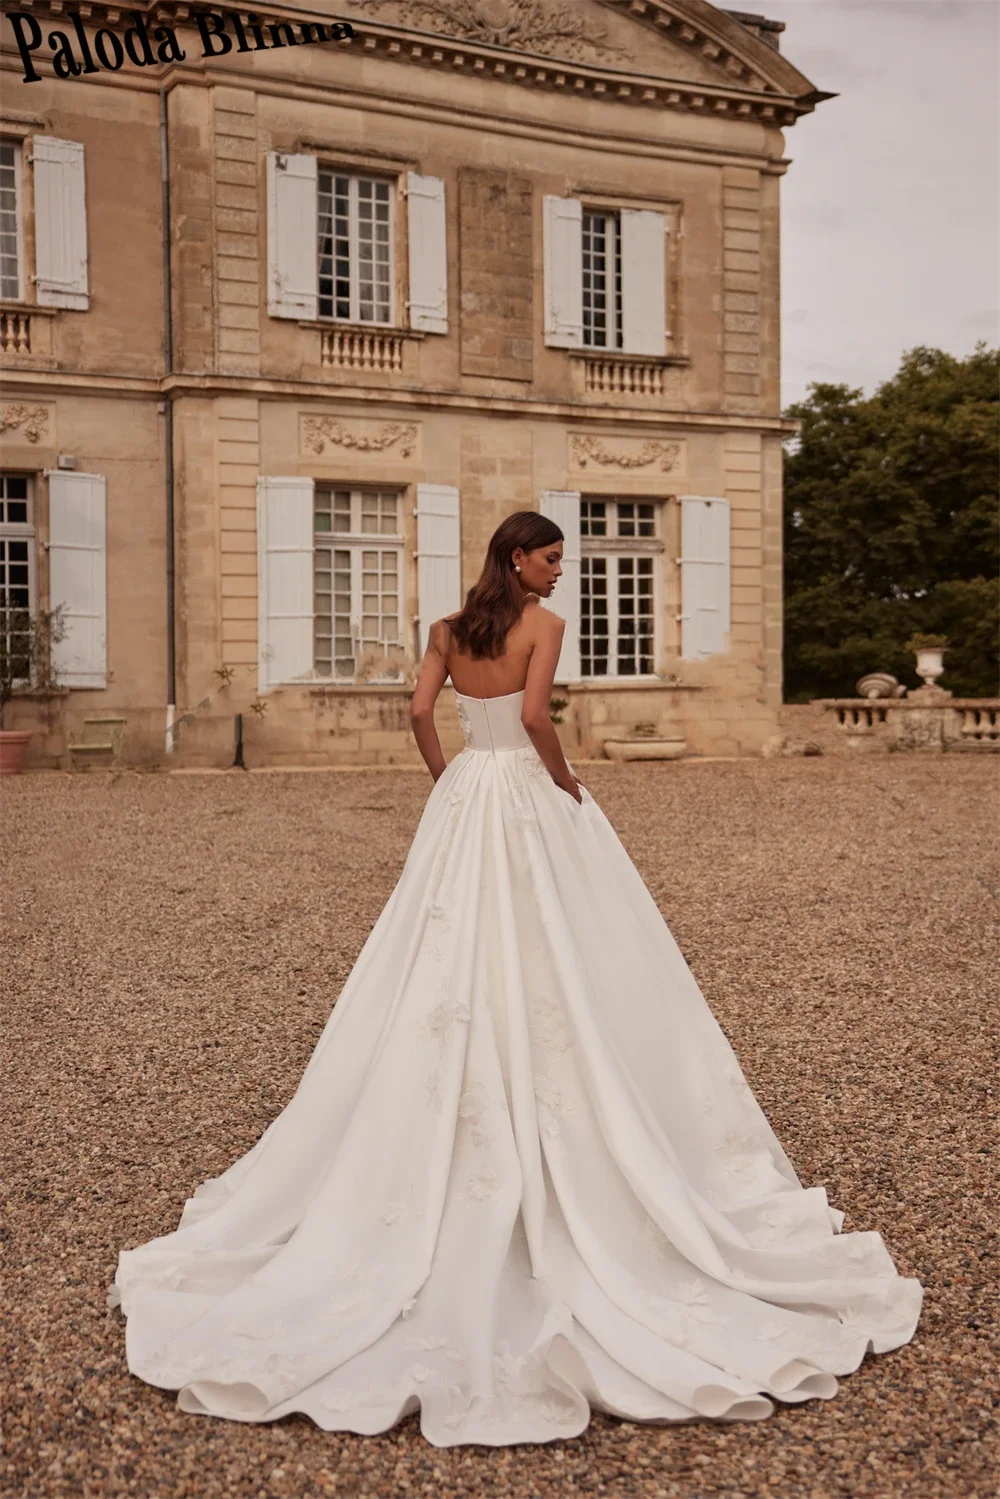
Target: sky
x=890, y=205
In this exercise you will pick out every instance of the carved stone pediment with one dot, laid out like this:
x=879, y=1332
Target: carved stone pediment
x=550, y=28
x=688, y=41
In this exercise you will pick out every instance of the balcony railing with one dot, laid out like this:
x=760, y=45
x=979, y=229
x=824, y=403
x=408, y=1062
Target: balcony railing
x=354, y=349
x=15, y=331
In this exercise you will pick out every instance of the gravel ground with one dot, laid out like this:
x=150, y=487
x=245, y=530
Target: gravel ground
x=173, y=944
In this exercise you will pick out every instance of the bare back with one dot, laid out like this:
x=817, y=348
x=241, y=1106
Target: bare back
x=504, y=674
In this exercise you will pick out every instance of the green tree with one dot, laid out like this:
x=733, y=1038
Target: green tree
x=891, y=522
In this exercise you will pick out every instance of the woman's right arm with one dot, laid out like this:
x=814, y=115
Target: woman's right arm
x=535, y=713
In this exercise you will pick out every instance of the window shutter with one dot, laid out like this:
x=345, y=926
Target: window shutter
x=292, y=236
x=78, y=576
x=428, y=236
x=644, y=281
x=704, y=563
x=284, y=580
x=439, y=570
x=563, y=248
x=563, y=506
x=60, y=223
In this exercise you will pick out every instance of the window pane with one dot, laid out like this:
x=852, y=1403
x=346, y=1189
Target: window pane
x=593, y=616
x=10, y=278
x=635, y=616
x=601, y=280
x=593, y=518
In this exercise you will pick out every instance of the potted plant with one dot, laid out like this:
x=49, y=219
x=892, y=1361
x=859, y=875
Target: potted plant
x=26, y=642
x=929, y=651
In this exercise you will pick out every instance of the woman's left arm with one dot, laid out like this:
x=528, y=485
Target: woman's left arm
x=430, y=679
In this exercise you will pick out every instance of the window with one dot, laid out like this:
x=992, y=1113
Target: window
x=355, y=248
x=17, y=582
x=602, y=280
x=357, y=568
x=619, y=546
x=11, y=256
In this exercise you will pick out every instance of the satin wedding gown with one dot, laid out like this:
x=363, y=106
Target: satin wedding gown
x=523, y=1175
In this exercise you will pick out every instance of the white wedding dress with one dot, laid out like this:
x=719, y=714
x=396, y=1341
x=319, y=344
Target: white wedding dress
x=522, y=1177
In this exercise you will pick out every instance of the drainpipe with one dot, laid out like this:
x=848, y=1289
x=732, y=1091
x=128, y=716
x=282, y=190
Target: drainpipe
x=168, y=365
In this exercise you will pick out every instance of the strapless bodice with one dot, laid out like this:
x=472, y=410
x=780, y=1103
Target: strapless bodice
x=492, y=723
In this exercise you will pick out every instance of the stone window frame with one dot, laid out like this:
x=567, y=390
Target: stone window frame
x=355, y=541
x=21, y=531
x=16, y=144
x=325, y=169
x=389, y=167
x=603, y=200
x=612, y=546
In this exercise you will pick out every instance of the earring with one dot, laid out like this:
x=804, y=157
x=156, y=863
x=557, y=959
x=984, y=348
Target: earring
x=516, y=568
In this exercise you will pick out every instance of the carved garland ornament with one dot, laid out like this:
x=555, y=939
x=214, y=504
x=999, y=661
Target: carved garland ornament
x=523, y=25
x=320, y=430
x=593, y=449
x=32, y=420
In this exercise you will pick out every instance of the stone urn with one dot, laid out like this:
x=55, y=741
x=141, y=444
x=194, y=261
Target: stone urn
x=879, y=684
x=930, y=663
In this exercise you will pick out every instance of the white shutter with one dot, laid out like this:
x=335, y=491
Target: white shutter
x=704, y=560
x=60, y=223
x=563, y=507
x=428, y=238
x=562, y=227
x=78, y=576
x=439, y=569
x=284, y=580
x=644, y=281
x=292, y=236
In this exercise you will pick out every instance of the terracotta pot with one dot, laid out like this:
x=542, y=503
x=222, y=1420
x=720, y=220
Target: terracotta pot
x=13, y=744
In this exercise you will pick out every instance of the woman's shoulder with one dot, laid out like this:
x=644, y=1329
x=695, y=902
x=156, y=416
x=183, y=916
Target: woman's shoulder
x=539, y=617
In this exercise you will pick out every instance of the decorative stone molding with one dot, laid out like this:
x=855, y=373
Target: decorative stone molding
x=547, y=27
x=31, y=421
x=318, y=431
x=588, y=451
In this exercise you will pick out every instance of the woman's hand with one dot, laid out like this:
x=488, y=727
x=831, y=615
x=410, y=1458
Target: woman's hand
x=573, y=788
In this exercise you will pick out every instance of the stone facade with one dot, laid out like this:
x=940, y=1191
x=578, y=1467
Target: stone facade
x=675, y=109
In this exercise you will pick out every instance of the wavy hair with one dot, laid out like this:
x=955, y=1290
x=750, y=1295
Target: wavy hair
x=494, y=602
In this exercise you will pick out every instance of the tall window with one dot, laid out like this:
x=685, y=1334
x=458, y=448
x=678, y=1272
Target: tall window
x=357, y=569
x=355, y=248
x=10, y=220
x=602, y=280
x=619, y=546
x=17, y=583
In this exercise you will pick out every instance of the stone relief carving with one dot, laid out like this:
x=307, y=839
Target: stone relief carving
x=317, y=431
x=544, y=26
x=33, y=421
x=594, y=450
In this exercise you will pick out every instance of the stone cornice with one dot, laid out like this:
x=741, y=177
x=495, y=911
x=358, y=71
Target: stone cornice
x=20, y=383
x=775, y=95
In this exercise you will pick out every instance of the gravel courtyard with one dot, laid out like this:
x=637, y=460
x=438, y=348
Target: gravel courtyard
x=172, y=945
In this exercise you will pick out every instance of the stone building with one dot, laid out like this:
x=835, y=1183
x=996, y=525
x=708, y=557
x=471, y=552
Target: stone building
x=479, y=256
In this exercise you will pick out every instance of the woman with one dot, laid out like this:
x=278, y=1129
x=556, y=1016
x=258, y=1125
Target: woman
x=523, y=1176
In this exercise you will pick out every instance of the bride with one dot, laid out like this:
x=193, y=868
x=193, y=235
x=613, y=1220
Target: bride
x=523, y=1176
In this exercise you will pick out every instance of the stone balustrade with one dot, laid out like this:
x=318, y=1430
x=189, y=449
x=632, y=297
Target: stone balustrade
x=928, y=719
x=15, y=331
x=350, y=348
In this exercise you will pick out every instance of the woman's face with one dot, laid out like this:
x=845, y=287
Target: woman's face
x=540, y=568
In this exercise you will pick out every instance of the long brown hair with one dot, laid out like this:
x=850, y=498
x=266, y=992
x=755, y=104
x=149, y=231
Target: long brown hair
x=495, y=601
